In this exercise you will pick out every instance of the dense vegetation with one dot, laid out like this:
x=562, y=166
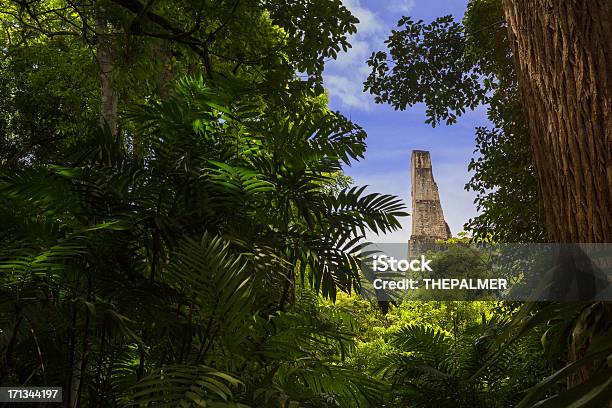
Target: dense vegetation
x=176, y=229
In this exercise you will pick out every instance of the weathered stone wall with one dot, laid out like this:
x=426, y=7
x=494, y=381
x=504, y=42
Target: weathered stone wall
x=428, y=224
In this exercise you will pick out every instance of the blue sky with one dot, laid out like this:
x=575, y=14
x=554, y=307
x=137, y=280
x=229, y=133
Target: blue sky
x=392, y=135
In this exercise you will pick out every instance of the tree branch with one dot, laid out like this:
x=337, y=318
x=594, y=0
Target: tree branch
x=212, y=35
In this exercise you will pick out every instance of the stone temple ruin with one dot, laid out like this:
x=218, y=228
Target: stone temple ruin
x=428, y=224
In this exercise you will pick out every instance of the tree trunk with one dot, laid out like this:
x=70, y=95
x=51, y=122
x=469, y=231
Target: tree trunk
x=5, y=356
x=106, y=65
x=160, y=51
x=563, y=55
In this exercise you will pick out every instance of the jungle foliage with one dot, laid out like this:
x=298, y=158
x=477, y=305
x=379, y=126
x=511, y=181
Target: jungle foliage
x=170, y=273
x=452, y=66
x=177, y=231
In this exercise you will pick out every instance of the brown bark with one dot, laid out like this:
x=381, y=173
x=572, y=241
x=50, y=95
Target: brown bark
x=106, y=65
x=161, y=52
x=563, y=56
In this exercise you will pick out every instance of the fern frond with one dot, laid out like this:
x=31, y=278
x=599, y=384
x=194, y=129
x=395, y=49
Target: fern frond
x=183, y=386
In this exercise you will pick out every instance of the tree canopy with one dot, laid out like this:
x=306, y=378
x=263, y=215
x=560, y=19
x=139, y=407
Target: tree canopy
x=176, y=228
x=452, y=66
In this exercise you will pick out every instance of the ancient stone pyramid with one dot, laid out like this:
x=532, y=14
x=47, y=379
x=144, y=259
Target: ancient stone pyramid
x=428, y=224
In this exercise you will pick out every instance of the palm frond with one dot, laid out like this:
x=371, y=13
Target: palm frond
x=184, y=386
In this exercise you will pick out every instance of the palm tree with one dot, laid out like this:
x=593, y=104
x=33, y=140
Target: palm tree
x=170, y=266
x=431, y=368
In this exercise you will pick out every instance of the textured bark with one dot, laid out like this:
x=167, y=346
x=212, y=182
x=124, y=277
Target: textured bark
x=106, y=66
x=161, y=52
x=75, y=381
x=563, y=56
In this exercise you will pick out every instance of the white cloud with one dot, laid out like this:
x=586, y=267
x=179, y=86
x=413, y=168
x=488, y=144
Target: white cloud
x=402, y=6
x=348, y=90
x=357, y=54
x=344, y=76
x=369, y=21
